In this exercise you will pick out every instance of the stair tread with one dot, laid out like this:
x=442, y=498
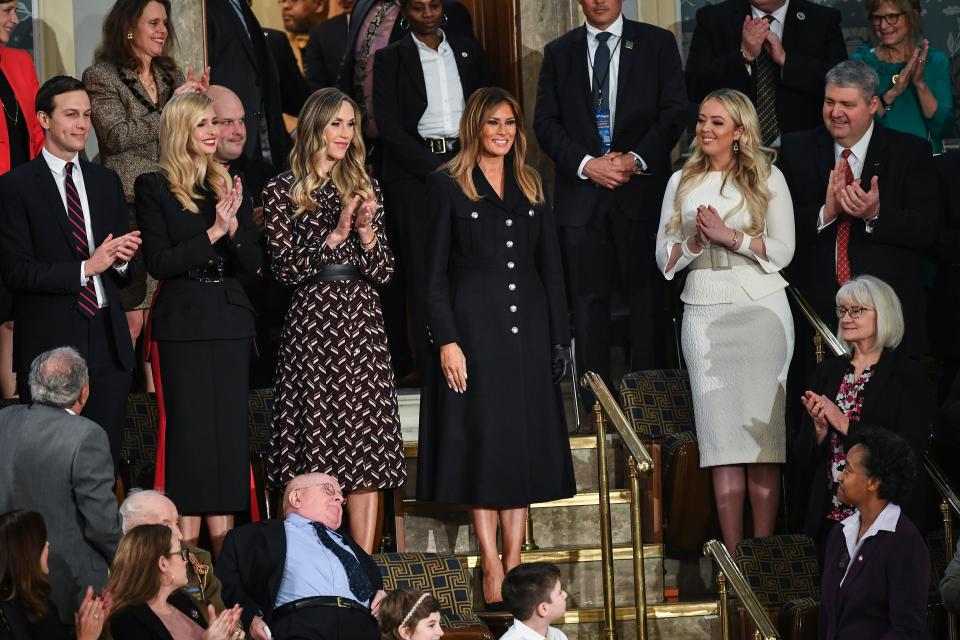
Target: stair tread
x=585, y=498
x=411, y=446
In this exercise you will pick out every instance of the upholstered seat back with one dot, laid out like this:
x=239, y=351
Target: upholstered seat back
x=780, y=569
x=657, y=402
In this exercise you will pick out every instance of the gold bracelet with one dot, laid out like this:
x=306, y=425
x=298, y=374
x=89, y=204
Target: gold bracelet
x=370, y=244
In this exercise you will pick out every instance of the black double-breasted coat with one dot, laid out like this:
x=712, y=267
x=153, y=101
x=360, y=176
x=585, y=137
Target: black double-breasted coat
x=495, y=287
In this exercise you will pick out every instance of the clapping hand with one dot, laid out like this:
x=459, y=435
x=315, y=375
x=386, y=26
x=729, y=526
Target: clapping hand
x=753, y=35
x=859, y=203
x=92, y=615
x=112, y=252
x=775, y=47
x=226, y=220
x=344, y=224
x=194, y=84
x=835, y=185
x=223, y=626
x=824, y=413
x=920, y=55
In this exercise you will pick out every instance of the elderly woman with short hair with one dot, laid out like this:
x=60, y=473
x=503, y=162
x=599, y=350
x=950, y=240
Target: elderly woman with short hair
x=874, y=384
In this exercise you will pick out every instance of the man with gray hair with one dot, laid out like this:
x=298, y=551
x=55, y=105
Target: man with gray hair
x=58, y=463
x=152, y=507
x=864, y=201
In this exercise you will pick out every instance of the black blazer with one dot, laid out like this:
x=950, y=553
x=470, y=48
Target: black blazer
x=139, y=622
x=458, y=22
x=175, y=241
x=400, y=99
x=904, y=230
x=900, y=397
x=813, y=42
x=41, y=268
x=651, y=107
x=245, y=65
x=293, y=86
x=324, y=51
x=251, y=567
x=885, y=593
x=15, y=626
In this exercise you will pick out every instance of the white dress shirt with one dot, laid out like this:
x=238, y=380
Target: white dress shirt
x=520, y=631
x=444, y=92
x=779, y=16
x=58, y=168
x=886, y=521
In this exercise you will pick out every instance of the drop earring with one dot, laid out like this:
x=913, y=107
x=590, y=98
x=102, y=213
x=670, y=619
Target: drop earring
x=404, y=24
x=736, y=147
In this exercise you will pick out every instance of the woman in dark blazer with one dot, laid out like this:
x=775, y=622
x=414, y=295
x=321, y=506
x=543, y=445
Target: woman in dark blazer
x=875, y=385
x=421, y=83
x=198, y=239
x=146, y=578
x=876, y=572
x=492, y=433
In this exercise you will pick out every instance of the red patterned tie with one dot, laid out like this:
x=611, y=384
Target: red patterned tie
x=843, y=231
x=87, y=300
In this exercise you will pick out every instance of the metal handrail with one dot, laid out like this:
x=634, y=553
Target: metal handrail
x=817, y=323
x=949, y=502
x=638, y=461
x=730, y=572
x=941, y=483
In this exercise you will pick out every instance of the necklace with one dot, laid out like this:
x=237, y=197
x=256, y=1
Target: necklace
x=16, y=113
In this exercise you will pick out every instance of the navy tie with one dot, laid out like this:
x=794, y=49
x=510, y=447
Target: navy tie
x=359, y=583
x=601, y=72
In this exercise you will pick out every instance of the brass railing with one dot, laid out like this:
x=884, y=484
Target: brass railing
x=638, y=462
x=823, y=331
x=731, y=575
x=948, y=502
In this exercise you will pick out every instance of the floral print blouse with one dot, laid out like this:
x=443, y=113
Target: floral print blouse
x=850, y=400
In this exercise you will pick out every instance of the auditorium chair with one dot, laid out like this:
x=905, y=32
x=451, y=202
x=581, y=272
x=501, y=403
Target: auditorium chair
x=447, y=578
x=785, y=576
x=659, y=406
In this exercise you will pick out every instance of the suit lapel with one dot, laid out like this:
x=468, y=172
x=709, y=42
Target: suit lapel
x=465, y=66
x=410, y=61
x=579, y=59
x=876, y=156
x=95, y=192
x=628, y=56
x=792, y=24
x=825, y=158
x=47, y=186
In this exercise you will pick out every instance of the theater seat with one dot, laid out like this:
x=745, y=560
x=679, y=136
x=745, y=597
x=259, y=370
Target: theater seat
x=446, y=577
x=659, y=406
x=785, y=576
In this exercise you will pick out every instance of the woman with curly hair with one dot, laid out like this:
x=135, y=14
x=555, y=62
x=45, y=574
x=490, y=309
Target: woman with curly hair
x=336, y=404
x=728, y=218
x=409, y=614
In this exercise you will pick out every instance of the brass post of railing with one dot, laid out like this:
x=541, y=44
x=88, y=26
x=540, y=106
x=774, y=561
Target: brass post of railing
x=606, y=536
x=948, y=552
x=818, y=351
x=724, y=606
x=636, y=530
x=529, y=544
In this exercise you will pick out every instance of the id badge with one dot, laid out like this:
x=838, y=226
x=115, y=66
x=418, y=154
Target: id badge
x=604, y=129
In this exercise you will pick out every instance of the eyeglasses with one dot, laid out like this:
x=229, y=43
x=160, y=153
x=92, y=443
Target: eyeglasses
x=853, y=312
x=890, y=18
x=328, y=488
x=183, y=553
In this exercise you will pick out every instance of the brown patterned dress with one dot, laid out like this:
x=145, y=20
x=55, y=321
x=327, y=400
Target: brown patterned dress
x=335, y=407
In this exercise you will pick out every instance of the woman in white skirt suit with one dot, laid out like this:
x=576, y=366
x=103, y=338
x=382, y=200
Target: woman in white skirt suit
x=728, y=218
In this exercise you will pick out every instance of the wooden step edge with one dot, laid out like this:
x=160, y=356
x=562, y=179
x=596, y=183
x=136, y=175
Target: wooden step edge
x=665, y=610
x=585, y=499
x=574, y=556
x=412, y=449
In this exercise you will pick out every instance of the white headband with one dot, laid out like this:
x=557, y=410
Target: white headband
x=416, y=604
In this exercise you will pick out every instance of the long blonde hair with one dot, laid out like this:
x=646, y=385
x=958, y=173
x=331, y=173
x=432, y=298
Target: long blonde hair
x=310, y=149
x=478, y=108
x=135, y=575
x=748, y=172
x=178, y=152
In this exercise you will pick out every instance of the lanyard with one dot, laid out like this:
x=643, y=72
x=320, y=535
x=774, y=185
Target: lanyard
x=606, y=72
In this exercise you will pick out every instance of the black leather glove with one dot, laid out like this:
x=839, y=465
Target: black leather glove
x=561, y=362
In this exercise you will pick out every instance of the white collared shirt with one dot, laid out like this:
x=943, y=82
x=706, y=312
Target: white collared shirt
x=520, y=631
x=444, y=92
x=58, y=168
x=886, y=521
x=779, y=17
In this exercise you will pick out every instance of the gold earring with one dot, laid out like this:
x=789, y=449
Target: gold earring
x=129, y=35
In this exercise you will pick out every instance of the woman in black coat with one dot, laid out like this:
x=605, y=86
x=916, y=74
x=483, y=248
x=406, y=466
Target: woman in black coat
x=492, y=433
x=876, y=385
x=198, y=238
x=421, y=83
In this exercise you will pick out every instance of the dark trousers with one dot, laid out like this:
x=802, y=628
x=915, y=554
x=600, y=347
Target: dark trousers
x=612, y=252
x=325, y=623
x=109, y=382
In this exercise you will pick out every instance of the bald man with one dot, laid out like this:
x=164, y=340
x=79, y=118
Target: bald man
x=151, y=507
x=301, y=575
x=229, y=117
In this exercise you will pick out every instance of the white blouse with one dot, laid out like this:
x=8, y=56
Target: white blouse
x=759, y=277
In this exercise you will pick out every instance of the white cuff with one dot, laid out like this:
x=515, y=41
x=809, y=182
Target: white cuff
x=583, y=163
x=872, y=222
x=643, y=164
x=820, y=224
x=83, y=278
x=685, y=249
x=122, y=269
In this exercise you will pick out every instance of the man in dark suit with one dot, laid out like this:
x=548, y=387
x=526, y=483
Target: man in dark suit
x=57, y=463
x=780, y=48
x=240, y=59
x=610, y=107
x=65, y=251
x=326, y=47
x=865, y=202
x=300, y=575
x=294, y=89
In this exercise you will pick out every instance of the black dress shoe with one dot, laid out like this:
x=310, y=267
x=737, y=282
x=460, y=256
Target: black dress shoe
x=494, y=607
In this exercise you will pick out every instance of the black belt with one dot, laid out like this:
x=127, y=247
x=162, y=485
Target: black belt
x=441, y=146
x=318, y=601
x=336, y=273
x=213, y=273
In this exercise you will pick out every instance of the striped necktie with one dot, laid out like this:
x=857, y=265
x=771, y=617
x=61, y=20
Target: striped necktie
x=765, y=70
x=844, y=272
x=87, y=300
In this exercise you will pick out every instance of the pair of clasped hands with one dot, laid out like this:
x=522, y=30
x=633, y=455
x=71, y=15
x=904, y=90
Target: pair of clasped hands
x=710, y=227
x=358, y=214
x=610, y=170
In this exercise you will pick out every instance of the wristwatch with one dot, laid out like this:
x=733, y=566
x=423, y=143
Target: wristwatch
x=637, y=164
x=886, y=107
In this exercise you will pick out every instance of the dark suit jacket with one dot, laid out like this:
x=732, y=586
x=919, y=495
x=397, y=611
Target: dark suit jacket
x=900, y=397
x=651, y=103
x=904, y=230
x=293, y=86
x=245, y=65
x=59, y=465
x=400, y=99
x=42, y=269
x=251, y=567
x=458, y=22
x=139, y=622
x=324, y=51
x=174, y=242
x=813, y=43
x=884, y=596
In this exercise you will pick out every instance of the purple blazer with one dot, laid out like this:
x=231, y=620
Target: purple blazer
x=885, y=593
